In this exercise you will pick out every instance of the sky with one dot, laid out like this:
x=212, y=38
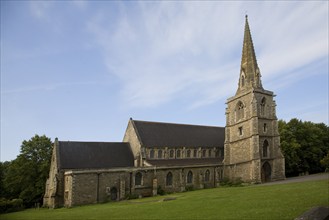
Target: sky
x=78, y=70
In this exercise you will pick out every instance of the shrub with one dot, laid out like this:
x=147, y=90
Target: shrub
x=160, y=191
x=189, y=188
x=13, y=205
x=234, y=182
x=132, y=196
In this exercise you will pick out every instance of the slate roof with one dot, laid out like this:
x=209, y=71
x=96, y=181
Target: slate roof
x=94, y=155
x=185, y=162
x=158, y=134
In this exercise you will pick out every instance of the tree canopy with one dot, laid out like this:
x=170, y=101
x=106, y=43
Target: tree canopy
x=25, y=177
x=304, y=145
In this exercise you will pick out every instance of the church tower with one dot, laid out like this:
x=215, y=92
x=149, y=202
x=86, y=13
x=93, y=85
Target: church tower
x=252, y=141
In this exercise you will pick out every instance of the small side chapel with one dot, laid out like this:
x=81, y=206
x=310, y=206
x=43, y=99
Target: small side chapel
x=156, y=156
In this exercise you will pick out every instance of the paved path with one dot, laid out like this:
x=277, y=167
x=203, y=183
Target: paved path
x=319, y=176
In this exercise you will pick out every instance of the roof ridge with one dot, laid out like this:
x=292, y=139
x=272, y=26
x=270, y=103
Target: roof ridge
x=97, y=142
x=171, y=123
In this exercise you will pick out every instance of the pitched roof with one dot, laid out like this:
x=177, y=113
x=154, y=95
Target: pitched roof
x=94, y=155
x=157, y=134
x=186, y=162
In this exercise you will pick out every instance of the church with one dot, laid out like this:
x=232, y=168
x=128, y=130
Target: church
x=168, y=157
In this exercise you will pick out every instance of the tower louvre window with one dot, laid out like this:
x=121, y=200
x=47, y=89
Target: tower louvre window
x=239, y=111
x=262, y=106
x=265, y=149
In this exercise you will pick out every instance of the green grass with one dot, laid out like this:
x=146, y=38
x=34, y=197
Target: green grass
x=284, y=201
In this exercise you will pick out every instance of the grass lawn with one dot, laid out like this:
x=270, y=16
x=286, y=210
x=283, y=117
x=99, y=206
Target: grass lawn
x=283, y=201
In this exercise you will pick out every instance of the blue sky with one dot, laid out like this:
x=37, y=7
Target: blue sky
x=78, y=70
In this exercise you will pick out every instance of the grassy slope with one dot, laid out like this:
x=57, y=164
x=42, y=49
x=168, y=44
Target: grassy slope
x=285, y=201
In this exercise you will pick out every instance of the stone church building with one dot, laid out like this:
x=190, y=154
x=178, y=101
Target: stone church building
x=175, y=157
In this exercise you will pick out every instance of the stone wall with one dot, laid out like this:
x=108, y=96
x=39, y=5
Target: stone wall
x=97, y=186
x=132, y=138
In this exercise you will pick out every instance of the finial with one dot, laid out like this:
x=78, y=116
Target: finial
x=246, y=15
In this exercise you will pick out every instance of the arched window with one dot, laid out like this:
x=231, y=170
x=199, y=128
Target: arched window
x=178, y=154
x=204, y=153
x=160, y=154
x=209, y=153
x=138, y=179
x=195, y=153
x=265, y=148
x=152, y=154
x=242, y=81
x=189, y=177
x=239, y=111
x=207, y=176
x=262, y=106
x=169, y=179
x=171, y=153
x=188, y=153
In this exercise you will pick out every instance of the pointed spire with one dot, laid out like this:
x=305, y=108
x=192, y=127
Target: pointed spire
x=249, y=73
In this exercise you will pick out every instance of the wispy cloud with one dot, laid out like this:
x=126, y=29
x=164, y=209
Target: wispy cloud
x=47, y=87
x=168, y=49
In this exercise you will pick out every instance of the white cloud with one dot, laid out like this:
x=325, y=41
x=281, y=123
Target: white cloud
x=169, y=49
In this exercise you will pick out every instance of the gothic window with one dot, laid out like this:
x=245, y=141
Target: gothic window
x=178, y=154
x=242, y=81
x=189, y=177
x=138, y=179
x=204, y=153
x=207, y=176
x=239, y=111
x=209, y=152
x=262, y=106
x=152, y=154
x=265, y=148
x=188, y=153
x=265, y=128
x=169, y=179
x=195, y=153
x=171, y=153
x=160, y=154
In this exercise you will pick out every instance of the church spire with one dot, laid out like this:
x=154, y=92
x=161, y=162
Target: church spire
x=249, y=73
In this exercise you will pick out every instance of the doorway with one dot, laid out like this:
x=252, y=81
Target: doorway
x=114, y=194
x=266, y=172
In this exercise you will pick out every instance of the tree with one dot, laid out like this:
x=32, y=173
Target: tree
x=304, y=144
x=26, y=175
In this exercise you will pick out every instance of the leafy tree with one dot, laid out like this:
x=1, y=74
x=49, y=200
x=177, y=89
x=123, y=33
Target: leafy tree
x=304, y=144
x=27, y=174
x=325, y=162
